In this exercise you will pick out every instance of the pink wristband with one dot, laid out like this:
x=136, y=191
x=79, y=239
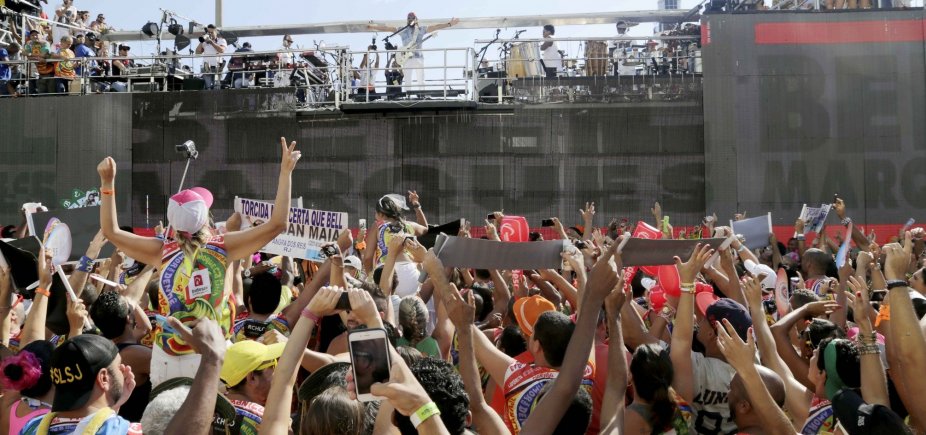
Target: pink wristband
x=310, y=315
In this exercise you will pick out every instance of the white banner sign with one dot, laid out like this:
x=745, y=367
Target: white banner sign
x=306, y=230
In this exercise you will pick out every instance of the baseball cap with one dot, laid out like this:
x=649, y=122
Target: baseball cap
x=858, y=417
x=716, y=309
x=527, y=310
x=205, y=193
x=412, y=15
x=757, y=269
x=187, y=211
x=247, y=356
x=74, y=366
x=353, y=261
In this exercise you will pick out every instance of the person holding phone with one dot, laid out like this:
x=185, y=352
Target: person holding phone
x=390, y=210
x=193, y=260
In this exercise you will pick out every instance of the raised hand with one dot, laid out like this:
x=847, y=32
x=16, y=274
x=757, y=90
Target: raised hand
x=753, y=289
x=840, y=207
x=413, y=198
x=799, y=226
x=204, y=335
x=233, y=223
x=107, y=171
x=461, y=308
x=491, y=231
x=454, y=21
x=397, y=242
x=325, y=301
x=76, y=313
x=657, y=211
x=801, y=284
x=739, y=216
x=819, y=308
x=604, y=275
x=290, y=156
x=860, y=304
x=688, y=270
x=739, y=354
x=415, y=250
x=588, y=213
x=895, y=266
x=362, y=305
x=97, y=244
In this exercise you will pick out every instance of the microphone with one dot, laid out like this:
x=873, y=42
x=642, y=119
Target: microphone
x=497, y=32
x=519, y=32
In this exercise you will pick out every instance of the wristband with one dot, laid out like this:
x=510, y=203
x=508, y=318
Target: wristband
x=869, y=349
x=107, y=191
x=426, y=411
x=742, y=248
x=43, y=292
x=415, y=206
x=86, y=264
x=799, y=237
x=846, y=221
x=687, y=287
x=310, y=315
x=896, y=283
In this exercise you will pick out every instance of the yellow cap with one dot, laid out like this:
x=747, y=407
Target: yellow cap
x=247, y=356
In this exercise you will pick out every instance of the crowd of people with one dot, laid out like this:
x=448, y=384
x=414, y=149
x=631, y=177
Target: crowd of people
x=195, y=331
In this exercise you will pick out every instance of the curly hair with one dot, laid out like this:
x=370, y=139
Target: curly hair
x=445, y=387
x=109, y=313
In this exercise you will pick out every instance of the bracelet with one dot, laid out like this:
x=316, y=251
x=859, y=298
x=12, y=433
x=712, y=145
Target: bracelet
x=742, y=248
x=86, y=264
x=864, y=340
x=846, y=221
x=415, y=206
x=896, y=283
x=43, y=292
x=310, y=315
x=869, y=349
x=107, y=191
x=800, y=237
x=687, y=287
x=426, y=411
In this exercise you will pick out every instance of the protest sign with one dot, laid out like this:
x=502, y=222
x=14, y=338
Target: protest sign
x=756, y=230
x=83, y=222
x=306, y=230
x=814, y=218
x=248, y=221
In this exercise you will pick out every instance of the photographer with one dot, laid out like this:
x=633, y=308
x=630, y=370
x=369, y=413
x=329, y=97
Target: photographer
x=366, y=75
x=211, y=46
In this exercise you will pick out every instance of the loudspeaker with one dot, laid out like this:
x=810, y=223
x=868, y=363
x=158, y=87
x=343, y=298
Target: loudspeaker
x=194, y=84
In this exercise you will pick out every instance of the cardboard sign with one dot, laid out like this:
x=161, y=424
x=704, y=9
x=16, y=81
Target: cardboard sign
x=647, y=252
x=756, y=230
x=21, y=255
x=843, y=252
x=451, y=228
x=79, y=198
x=306, y=230
x=514, y=229
x=83, y=222
x=814, y=218
x=489, y=254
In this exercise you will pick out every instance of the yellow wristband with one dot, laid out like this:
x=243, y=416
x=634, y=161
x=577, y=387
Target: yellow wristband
x=426, y=411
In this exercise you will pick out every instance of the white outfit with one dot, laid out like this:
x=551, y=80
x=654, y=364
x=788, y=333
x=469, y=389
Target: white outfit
x=286, y=56
x=164, y=366
x=712, y=379
x=212, y=56
x=414, y=67
x=551, y=56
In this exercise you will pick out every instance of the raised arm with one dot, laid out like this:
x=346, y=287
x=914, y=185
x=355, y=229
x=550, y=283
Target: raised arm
x=291, y=312
x=381, y=28
x=415, y=203
x=797, y=397
x=782, y=328
x=909, y=340
x=550, y=410
x=196, y=414
x=435, y=27
x=34, y=326
x=462, y=314
x=874, y=382
x=6, y=305
x=78, y=278
x=588, y=219
x=680, y=351
x=612, y=404
x=144, y=249
x=276, y=415
x=240, y=244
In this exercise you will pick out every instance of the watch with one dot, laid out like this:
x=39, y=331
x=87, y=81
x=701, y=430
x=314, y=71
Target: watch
x=246, y=273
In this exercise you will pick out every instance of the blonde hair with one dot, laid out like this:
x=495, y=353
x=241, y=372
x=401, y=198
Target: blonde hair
x=192, y=243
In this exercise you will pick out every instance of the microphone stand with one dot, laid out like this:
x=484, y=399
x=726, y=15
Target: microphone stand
x=396, y=32
x=485, y=49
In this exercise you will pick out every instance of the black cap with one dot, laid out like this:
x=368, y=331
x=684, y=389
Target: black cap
x=320, y=380
x=858, y=417
x=74, y=367
x=223, y=408
x=124, y=47
x=211, y=26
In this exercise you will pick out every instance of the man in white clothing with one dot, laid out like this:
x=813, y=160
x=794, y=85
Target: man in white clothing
x=552, y=60
x=413, y=36
x=211, y=46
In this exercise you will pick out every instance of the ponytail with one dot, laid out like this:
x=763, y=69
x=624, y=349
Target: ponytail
x=413, y=318
x=662, y=409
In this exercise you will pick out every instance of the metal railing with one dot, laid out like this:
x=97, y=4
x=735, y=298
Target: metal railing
x=610, y=69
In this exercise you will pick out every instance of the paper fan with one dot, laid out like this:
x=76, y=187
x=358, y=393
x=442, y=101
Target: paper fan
x=57, y=241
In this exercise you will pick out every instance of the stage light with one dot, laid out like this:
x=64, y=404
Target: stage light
x=181, y=42
x=174, y=28
x=150, y=29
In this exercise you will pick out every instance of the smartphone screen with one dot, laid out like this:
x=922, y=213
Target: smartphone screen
x=490, y=216
x=369, y=357
x=546, y=223
x=363, y=224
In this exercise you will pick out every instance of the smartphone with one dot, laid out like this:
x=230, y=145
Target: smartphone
x=546, y=223
x=363, y=225
x=343, y=302
x=490, y=216
x=369, y=359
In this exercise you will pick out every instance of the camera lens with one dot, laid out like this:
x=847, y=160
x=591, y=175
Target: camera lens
x=182, y=148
